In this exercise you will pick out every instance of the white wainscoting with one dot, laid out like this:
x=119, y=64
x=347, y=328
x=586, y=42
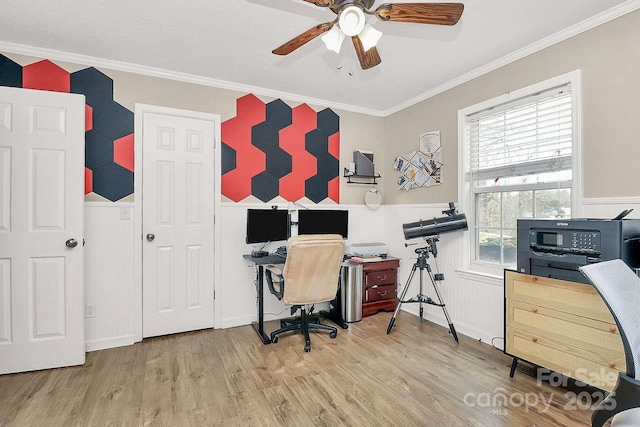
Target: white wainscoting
x=109, y=275
x=237, y=290
x=474, y=304
x=610, y=207
x=474, y=301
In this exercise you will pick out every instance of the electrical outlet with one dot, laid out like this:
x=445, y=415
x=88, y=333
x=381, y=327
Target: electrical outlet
x=89, y=310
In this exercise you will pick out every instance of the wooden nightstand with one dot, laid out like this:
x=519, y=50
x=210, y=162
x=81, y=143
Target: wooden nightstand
x=379, y=286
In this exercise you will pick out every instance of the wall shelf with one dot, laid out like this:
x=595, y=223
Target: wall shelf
x=363, y=179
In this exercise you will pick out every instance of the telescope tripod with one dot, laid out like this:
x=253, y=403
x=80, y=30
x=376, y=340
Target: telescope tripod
x=422, y=265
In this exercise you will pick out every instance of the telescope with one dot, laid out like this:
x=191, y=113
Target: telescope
x=429, y=229
x=451, y=222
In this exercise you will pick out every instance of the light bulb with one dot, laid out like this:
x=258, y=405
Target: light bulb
x=369, y=37
x=333, y=39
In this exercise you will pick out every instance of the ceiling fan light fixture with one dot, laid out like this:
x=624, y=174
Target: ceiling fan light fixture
x=333, y=39
x=352, y=20
x=369, y=37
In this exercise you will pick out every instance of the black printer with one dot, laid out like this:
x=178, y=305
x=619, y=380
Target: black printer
x=555, y=248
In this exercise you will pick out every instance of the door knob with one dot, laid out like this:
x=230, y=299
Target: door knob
x=71, y=243
x=150, y=237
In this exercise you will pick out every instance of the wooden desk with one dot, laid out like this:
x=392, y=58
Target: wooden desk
x=334, y=315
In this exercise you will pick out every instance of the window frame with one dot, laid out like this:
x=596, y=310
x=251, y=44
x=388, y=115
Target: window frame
x=466, y=201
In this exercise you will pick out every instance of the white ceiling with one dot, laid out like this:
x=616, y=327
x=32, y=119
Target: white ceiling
x=229, y=43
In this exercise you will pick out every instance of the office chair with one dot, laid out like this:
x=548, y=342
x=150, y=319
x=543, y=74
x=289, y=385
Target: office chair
x=310, y=275
x=619, y=287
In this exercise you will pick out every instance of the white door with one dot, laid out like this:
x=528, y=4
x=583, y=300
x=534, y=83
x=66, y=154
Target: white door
x=41, y=228
x=177, y=223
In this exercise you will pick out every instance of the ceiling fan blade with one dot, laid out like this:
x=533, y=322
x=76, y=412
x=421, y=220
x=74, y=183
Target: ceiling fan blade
x=321, y=3
x=368, y=59
x=302, y=39
x=421, y=13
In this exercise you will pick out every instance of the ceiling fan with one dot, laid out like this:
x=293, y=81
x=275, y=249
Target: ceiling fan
x=351, y=22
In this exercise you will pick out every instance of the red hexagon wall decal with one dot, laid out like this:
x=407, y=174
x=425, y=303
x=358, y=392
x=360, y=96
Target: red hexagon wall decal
x=45, y=75
x=303, y=162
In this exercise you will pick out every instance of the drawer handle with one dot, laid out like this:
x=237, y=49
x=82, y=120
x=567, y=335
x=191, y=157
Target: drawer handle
x=535, y=309
x=534, y=339
x=534, y=279
x=612, y=329
x=382, y=277
x=612, y=364
x=382, y=293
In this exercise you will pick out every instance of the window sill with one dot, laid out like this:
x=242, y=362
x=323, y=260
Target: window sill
x=476, y=276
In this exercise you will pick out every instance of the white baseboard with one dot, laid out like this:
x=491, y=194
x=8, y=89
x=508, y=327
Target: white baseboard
x=461, y=328
x=106, y=343
x=233, y=322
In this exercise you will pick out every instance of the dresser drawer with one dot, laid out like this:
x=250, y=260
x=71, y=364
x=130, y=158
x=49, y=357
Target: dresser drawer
x=565, y=359
x=387, y=264
x=379, y=292
x=381, y=277
x=570, y=297
x=600, y=338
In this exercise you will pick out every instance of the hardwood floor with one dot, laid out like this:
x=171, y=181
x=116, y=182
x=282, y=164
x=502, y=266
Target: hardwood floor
x=415, y=376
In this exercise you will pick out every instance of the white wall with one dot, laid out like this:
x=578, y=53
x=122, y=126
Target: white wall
x=474, y=302
x=110, y=260
x=109, y=275
x=237, y=289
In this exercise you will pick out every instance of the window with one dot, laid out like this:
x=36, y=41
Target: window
x=520, y=160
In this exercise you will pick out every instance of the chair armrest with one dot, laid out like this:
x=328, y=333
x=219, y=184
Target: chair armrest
x=625, y=396
x=274, y=280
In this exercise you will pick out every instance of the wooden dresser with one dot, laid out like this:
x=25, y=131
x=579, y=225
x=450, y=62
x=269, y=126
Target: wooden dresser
x=563, y=326
x=379, y=286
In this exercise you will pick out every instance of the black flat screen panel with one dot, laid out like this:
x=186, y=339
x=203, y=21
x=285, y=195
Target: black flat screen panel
x=321, y=221
x=267, y=225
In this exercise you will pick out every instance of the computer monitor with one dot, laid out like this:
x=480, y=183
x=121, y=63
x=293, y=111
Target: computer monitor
x=267, y=225
x=323, y=221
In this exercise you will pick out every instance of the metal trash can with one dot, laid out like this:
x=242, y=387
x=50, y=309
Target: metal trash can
x=351, y=291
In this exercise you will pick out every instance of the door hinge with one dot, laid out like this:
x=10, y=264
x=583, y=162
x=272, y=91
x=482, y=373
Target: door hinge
x=214, y=294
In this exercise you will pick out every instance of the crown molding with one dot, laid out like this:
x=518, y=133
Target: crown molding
x=90, y=61
x=565, y=34
x=581, y=27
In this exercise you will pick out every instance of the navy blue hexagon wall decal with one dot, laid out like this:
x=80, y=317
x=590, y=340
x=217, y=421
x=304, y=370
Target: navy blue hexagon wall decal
x=98, y=150
x=278, y=114
x=293, y=144
x=266, y=136
x=228, y=158
x=106, y=121
x=112, y=120
x=328, y=121
x=10, y=72
x=93, y=84
x=317, y=187
x=112, y=181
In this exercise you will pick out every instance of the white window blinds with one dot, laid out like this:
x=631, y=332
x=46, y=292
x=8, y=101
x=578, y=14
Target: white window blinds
x=525, y=137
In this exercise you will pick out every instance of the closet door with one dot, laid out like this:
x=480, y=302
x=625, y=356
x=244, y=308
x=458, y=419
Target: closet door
x=177, y=221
